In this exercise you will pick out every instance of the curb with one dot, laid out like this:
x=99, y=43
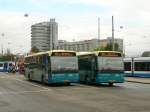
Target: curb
x=138, y=82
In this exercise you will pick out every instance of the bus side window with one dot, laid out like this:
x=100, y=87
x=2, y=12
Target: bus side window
x=48, y=59
x=1, y=64
x=127, y=66
x=140, y=66
x=148, y=66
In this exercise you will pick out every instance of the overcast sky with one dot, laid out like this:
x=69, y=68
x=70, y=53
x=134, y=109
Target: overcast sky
x=77, y=20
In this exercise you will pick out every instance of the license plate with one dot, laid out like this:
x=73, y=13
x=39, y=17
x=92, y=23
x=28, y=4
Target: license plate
x=111, y=81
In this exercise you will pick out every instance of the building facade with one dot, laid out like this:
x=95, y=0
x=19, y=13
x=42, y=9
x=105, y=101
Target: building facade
x=88, y=45
x=116, y=40
x=44, y=35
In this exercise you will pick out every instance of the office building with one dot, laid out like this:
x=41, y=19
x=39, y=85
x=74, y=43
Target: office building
x=88, y=45
x=44, y=35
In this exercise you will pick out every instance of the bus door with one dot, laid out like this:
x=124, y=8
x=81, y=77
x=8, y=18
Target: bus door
x=46, y=61
x=99, y=65
x=49, y=74
x=132, y=66
x=93, y=68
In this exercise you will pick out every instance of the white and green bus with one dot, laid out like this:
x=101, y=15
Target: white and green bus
x=101, y=67
x=57, y=66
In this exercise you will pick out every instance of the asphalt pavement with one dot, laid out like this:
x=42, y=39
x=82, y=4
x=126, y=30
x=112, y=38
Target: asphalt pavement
x=138, y=80
x=19, y=95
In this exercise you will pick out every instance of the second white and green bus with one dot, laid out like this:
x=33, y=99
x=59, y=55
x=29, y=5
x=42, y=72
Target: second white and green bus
x=101, y=67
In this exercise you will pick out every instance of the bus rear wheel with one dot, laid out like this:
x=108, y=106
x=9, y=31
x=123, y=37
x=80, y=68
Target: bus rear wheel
x=111, y=84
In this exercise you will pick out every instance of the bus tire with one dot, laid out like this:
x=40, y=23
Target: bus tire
x=110, y=83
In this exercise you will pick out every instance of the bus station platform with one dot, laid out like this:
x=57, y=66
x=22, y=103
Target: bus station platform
x=138, y=80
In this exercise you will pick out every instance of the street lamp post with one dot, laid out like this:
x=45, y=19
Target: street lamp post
x=8, y=49
x=123, y=50
x=113, y=46
x=98, y=45
x=2, y=35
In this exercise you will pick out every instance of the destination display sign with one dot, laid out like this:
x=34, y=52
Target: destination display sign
x=109, y=54
x=63, y=54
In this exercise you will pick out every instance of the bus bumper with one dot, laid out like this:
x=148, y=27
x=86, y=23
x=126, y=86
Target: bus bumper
x=110, y=78
x=63, y=78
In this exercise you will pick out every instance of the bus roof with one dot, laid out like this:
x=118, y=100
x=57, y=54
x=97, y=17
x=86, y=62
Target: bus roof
x=48, y=52
x=95, y=52
x=84, y=53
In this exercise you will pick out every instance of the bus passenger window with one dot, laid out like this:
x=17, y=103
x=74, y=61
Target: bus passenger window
x=140, y=66
x=127, y=66
x=1, y=65
x=148, y=66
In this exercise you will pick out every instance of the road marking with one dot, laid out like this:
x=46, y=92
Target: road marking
x=4, y=76
x=21, y=92
x=29, y=83
x=7, y=76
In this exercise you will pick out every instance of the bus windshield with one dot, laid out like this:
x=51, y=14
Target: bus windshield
x=64, y=64
x=110, y=64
